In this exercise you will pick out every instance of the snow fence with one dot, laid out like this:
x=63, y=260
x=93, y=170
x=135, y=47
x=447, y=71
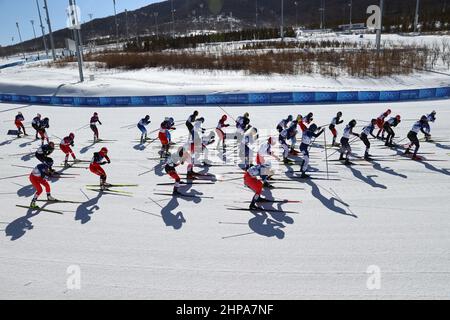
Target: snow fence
x=237, y=99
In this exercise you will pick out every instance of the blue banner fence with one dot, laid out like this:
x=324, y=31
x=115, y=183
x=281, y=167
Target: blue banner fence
x=236, y=99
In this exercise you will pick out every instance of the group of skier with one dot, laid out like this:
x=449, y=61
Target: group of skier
x=44, y=170
x=256, y=176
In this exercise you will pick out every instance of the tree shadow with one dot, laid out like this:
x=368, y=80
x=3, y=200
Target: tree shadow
x=369, y=179
x=329, y=203
x=86, y=209
x=388, y=170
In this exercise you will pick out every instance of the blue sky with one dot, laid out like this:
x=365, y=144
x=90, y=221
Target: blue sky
x=22, y=11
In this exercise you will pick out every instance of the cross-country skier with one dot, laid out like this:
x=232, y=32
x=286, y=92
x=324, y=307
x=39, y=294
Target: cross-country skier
x=288, y=134
x=388, y=127
x=220, y=133
x=380, y=123
x=164, y=136
x=93, y=125
x=308, y=119
x=265, y=150
x=142, y=127
x=308, y=135
x=100, y=158
x=242, y=125
x=368, y=130
x=19, y=125
x=246, y=146
x=419, y=126
x=43, y=153
x=35, y=124
x=251, y=181
x=190, y=123
x=37, y=179
x=65, y=147
x=43, y=125
x=346, y=149
x=431, y=118
x=336, y=121
x=283, y=124
x=176, y=159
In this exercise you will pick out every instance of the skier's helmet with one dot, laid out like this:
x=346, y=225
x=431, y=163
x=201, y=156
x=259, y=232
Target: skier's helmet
x=196, y=113
x=388, y=111
x=339, y=114
x=38, y=115
x=104, y=151
x=313, y=127
x=51, y=144
x=224, y=117
x=95, y=114
x=398, y=117
x=424, y=119
x=72, y=136
x=246, y=115
x=374, y=121
x=271, y=141
x=147, y=117
x=352, y=123
x=289, y=118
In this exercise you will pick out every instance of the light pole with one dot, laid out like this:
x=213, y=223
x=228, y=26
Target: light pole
x=201, y=12
x=381, y=27
x=117, y=25
x=256, y=15
x=42, y=28
x=76, y=25
x=52, y=43
x=80, y=39
x=296, y=13
x=34, y=30
x=416, y=18
x=173, y=18
x=20, y=38
x=322, y=14
x=351, y=11
x=126, y=24
x=282, y=21
x=155, y=14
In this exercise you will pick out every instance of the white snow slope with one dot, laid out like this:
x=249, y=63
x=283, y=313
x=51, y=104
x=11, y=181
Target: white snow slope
x=392, y=214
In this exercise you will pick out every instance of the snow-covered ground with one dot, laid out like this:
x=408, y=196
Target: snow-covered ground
x=391, y=214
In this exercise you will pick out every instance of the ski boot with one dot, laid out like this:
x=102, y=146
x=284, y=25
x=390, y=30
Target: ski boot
x=341, y=157
x=304, y=175
x=33, y=204
x=67, y=165
x=253, y=206
x=50, y=198
x=407, y=151
x=347, y=162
